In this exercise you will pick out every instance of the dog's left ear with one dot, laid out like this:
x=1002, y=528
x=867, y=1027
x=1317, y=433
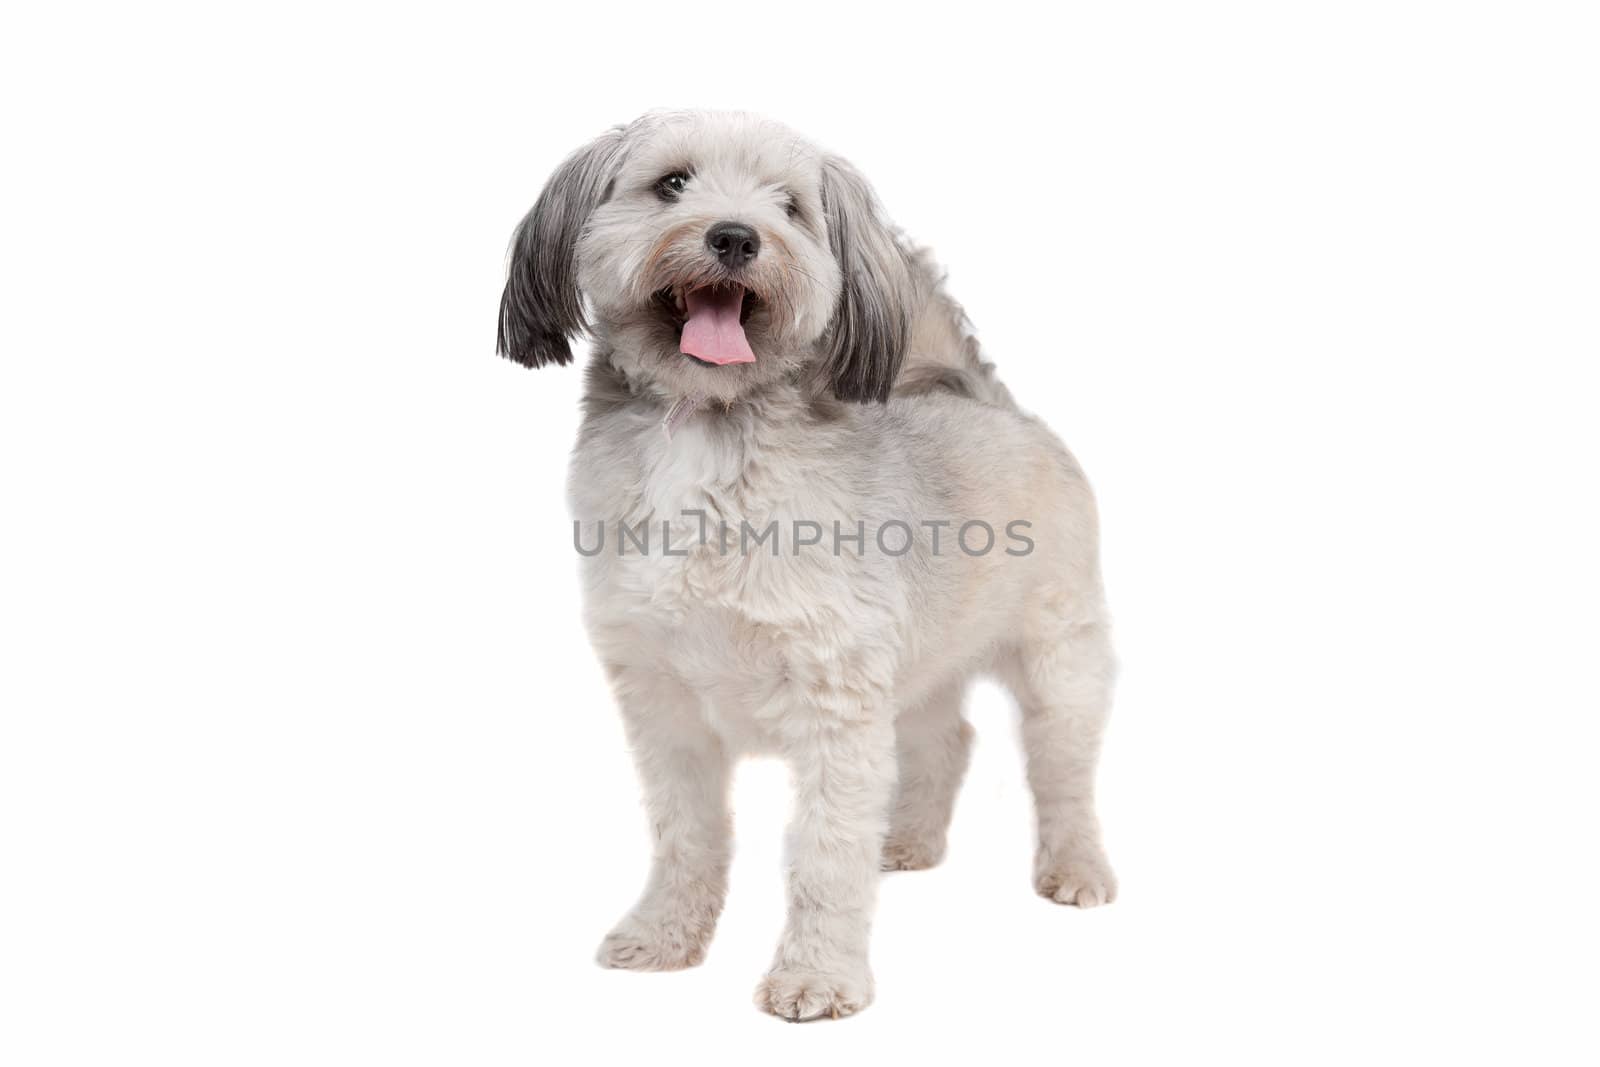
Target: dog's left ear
x=866, y=342
x=541, y=307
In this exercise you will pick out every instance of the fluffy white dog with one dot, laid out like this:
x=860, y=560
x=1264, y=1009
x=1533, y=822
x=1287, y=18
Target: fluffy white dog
x=808, y=515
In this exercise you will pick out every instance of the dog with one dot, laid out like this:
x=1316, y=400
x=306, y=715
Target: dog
x=773, y=362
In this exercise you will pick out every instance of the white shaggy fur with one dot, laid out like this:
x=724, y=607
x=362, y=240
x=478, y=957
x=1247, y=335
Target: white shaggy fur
x=851, y=666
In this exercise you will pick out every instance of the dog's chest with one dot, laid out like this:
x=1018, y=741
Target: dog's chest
x=678, y=592
x=674, y=558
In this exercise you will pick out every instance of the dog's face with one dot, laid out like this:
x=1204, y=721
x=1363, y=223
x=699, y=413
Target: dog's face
x=717, y=253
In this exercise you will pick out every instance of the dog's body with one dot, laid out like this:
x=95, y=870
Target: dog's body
x=848, y=654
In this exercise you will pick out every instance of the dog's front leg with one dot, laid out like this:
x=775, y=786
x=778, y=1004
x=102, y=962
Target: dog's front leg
x=685, y=773
x=844, y=772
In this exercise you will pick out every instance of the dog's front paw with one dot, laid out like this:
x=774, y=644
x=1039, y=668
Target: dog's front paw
x=1082, y=878
x=646, y=944
x=798, y=995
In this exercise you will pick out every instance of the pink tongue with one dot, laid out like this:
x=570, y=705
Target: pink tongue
x=712, y=332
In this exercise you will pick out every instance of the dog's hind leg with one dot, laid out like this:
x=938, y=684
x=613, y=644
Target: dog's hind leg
x=685, y=772
x=1062, y=676
x=932, y=746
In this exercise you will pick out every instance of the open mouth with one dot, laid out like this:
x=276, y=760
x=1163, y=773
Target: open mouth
x=711, y=321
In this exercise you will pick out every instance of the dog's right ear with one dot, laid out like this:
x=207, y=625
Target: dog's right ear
x=541, y=308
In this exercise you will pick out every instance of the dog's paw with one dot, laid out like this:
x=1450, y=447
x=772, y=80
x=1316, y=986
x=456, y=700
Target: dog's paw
x=1082, y=878
x=912, y=853
x=798, y=995
x=639, y=944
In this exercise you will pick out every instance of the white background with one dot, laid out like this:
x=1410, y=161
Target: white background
x=304, y=756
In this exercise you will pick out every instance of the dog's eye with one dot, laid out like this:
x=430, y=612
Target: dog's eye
x=672, y=186
x=791, y=206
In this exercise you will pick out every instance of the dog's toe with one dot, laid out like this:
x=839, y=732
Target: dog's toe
x=911, y=854
x=1085, y=881
x=651, y=947
x=800, y=996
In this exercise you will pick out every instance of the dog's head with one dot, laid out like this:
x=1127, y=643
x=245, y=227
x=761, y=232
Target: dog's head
x=715, y=253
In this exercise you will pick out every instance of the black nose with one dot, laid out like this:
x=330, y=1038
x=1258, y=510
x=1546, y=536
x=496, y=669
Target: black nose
x=734, y=244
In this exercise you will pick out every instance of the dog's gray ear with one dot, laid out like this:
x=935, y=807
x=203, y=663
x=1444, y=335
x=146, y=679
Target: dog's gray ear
x=871, y=327
x=541, y=308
